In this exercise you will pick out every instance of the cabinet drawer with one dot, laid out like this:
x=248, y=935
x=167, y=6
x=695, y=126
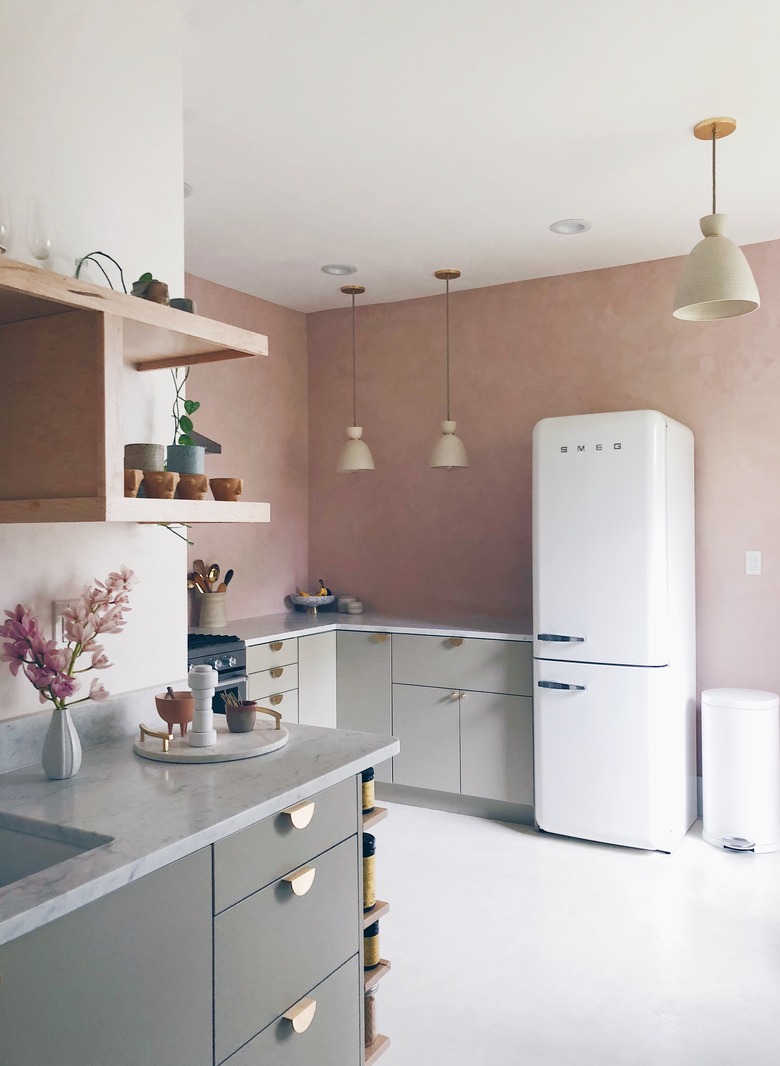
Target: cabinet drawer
x=272, y=948
x=256, y=856
x=481, y=665
x=286, y=703
x=333, y=1036
x=277, y=679
x=266, y=656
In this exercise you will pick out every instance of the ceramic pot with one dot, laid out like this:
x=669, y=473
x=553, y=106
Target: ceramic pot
x=186, y=458
x=241, y=719
x=144, y=457
x=159, y=484
x=213, y=610
x=226, y=488
x=61, y=757
x=132, y=482
x=176, y=711
x=192, y=486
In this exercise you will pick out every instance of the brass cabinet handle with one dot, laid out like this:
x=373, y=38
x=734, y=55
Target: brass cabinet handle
x=300, y=881
x=454, y=696
x=277, y=645
x=274, y=714
x=302, y=1014
x=380, y=638
x=300, y=813
x=277, y=671
x=463, y=695
x=165, y=737
x=277, y=699
x=455, y=642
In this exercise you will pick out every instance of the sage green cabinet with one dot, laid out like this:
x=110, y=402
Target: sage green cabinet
x=496, y=747
x=426, y=722
x=122, y=981
x=364, y=665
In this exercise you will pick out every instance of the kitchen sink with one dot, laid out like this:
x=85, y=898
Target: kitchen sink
x=28, y=846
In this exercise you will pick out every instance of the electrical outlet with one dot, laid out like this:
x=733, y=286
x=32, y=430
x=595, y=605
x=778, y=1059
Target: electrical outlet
x=57, y=621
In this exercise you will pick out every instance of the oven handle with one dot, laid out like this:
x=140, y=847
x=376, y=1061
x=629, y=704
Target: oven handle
x=231, y=683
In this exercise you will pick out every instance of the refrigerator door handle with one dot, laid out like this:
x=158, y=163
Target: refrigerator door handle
x=560, y=685
x=560, y=639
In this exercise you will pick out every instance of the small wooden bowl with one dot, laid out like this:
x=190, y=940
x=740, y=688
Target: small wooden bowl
x=226, y=488
x=177, y=711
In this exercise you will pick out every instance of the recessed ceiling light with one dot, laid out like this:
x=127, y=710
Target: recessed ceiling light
x=568, y=226
x=338, y=268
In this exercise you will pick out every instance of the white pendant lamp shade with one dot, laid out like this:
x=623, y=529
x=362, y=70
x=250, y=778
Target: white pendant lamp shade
x=449, y=450
x=356, y=454
x=716, y=280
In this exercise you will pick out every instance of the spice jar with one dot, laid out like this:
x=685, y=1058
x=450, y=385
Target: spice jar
x=369, y=1015
x=371, y=946
x=369, y=871
x=367, y=777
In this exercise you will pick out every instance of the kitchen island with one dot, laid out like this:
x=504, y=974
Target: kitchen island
x=174, y=939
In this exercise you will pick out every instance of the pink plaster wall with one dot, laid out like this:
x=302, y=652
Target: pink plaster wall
x=410, y=539
x=256, y=409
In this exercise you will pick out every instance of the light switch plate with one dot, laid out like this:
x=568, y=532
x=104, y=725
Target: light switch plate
x=753, y=563
x=57, y=624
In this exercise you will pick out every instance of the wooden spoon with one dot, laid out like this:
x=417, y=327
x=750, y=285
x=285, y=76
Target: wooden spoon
x=224, y=584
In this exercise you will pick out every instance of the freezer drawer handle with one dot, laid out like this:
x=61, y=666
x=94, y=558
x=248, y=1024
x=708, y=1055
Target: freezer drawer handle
x=560, y=639
x=560, y=685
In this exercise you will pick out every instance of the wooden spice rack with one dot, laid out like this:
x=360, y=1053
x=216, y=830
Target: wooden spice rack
x=65, y=345
x=372, y=977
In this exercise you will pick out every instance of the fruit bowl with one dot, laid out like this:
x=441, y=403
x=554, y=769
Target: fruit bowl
x=312, y=602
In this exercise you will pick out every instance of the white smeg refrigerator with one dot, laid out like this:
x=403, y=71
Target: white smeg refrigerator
x=614, y=628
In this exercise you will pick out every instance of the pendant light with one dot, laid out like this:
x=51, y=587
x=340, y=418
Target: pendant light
x=355, y=455
x=716, y=281
x=448, y=451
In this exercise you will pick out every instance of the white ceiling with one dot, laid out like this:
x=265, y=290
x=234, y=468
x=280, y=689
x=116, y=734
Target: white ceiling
x=406, y=135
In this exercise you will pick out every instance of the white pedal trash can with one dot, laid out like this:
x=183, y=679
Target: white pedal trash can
x=740, y=769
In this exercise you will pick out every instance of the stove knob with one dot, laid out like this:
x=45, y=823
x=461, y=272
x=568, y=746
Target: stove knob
x=232, y=660
x=217, y=664
x=189, y=667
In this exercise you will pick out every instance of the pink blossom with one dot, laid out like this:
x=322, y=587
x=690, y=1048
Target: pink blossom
x=99, y=660
x=96, y=690
x=63, y=685
x=75, y=632
x=15, y=654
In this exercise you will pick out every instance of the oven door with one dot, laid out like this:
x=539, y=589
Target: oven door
x=235, y=685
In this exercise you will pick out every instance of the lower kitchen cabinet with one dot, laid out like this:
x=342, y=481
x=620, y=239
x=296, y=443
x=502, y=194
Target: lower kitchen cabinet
x=425, y=721
x=496, y=747
x=317, y=679
x=122, y=981
x=364, y=664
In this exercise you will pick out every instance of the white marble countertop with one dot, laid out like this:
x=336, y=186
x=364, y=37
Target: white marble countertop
x=158, y=812
x=299, y=623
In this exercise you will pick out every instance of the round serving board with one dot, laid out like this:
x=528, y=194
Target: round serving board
x=229, y=747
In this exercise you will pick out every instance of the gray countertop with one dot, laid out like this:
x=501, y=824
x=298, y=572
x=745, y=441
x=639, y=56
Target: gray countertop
x=158, y=812
x=299, y=623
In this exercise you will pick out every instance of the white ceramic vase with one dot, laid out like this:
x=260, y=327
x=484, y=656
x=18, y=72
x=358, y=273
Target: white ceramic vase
x=61, y=747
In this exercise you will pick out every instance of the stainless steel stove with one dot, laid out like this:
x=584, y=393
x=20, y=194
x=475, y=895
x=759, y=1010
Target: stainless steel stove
x=227, y=655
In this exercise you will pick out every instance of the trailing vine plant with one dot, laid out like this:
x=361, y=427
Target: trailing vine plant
x=182, y=423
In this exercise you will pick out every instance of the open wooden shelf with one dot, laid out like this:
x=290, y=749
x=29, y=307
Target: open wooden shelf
x=374, y=816
x=379, y=1047
x=154, y=336
x=119, y=509
x=379, y=910
x=373, y=977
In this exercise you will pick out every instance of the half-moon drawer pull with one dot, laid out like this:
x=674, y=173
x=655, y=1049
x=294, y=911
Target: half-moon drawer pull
x=300, y=881
x=277, y=645
x=277, y=699
x=300, y=813
x=277, y=671
x=455, y=642
x=380, y=638
x=302, y=1014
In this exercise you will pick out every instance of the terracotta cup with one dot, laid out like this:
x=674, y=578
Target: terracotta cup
x=241, y=719
x=132, y=481
x=192, y=486
x=159, y=484
x=176, y=711
x=226, y=488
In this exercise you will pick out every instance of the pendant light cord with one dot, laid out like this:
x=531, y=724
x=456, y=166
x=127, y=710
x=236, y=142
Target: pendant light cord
x=354, y=387
x=447, y=305
x=714, y=139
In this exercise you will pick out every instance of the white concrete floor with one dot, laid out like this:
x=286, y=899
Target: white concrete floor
x=512, y=948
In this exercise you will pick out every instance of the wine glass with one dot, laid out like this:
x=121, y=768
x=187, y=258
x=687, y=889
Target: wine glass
x=5, y=223
x=39, y=237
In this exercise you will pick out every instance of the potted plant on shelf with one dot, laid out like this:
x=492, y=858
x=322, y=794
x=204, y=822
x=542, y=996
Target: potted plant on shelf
x=184, y=455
